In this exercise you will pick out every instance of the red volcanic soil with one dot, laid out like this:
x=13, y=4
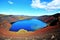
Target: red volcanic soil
x=40, y=33
x=47, y=32
x=48, y=29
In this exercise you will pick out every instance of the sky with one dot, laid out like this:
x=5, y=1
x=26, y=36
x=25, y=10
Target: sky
x=29, y=7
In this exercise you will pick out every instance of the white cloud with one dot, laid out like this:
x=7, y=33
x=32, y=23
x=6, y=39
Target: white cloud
x=10, y=2
x=53, y=5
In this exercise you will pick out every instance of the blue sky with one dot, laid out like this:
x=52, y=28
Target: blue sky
x=29, y=7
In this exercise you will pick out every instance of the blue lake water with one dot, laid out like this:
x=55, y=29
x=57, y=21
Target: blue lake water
x=29, y=25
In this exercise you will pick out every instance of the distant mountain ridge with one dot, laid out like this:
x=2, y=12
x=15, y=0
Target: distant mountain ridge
x=13, y=18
